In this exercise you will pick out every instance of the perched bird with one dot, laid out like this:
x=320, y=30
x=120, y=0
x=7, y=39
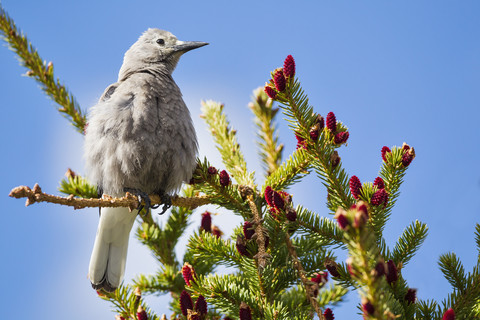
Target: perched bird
x=140, y=138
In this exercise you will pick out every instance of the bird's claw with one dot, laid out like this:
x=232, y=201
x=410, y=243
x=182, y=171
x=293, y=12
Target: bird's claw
x=142, y=196
x=166, y=201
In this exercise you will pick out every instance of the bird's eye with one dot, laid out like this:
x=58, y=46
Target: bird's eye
x=161, y=41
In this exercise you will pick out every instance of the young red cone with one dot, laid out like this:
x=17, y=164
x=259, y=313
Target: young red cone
x=328, y=314
x=355, y=186
x=186, y=302
x=270, y=92
x=269, y=196
x=188, y=273
x=141, y=314
x=224, y=178
x=279, y=80
x=449, y=315
x=206, y=223
x=384, y=151
x=379, y=183
x=245, y=312
x=248, y=230
x=289, y=67
x=201, y=305
x=331, y=122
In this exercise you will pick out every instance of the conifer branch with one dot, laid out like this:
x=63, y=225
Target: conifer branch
x=261, y=257
x=129, y=201
x=301, y=274
x=41, y=71
x=226, y=141
x=290, y=171
x=270, y=150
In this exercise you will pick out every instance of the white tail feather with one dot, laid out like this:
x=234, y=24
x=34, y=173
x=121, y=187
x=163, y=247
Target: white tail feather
x=109, y=253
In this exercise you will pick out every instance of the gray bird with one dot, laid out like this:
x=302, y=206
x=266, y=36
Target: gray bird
x=140, y=138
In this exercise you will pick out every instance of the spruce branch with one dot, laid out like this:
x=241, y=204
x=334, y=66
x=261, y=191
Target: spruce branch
x=409, y=242
x=129, y=200
x=226, y=141
x=41, y=71
x=269, y=149
x=208, y=183
x=302, y=275
x=290, y=171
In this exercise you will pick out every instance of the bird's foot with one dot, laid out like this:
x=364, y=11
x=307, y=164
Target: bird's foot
x=142, y=196
x=166, y=201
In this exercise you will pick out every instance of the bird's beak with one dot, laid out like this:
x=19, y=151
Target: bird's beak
x=184, y=46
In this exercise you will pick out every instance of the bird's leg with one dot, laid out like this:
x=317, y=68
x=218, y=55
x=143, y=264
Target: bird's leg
x=141, y=196
x=166, y=201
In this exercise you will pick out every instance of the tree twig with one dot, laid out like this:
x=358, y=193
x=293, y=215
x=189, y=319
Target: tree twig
x=129, y=200
x=301, y=273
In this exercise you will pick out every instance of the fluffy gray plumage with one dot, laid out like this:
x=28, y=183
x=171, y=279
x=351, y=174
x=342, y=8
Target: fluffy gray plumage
x=140, y=136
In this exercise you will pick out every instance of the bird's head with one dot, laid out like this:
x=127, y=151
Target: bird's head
x=157, y=48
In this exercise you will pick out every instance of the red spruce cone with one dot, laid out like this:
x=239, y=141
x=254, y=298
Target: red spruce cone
x=224, y=178
x=245, y=312
x=449, y=315
x=328, y=314
x=279, y=80
x=331, y=122
x=201, y=305
x=248, y=230
x=186, y=302
x=379, y=183
x=270, y=92
x=141, y=314
x=188, y=273
x=385, y=149
x=206, y=223
x=355, y=186
x=289, y=67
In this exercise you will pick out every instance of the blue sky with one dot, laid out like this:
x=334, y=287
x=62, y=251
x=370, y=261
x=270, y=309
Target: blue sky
x=391, y=71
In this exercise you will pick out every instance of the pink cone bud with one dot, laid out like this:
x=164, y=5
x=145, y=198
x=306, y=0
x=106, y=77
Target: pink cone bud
x=385, y=150
x=334, y=159
x=332, y=267
x=201, y=305
x=321, y=277
x=245, y=312
x=379, y=270
x=278, y=202
x=186, y=302
x=241, y=246
x=289, y=67
x=224, y=178
x=300, y=142
x=248, y=230
x=408, y=157
x=206, y=223
x=279, y=80
x=270, y=92
x=216, y=231
x=328, y=314
x=379, y=197
x=291, y=214
x=449, y=315
x=392, y=272
x=141, y=314
x=379, y=183
x=368, y=307
x=341, y=137
x=188, y=273
x=212, y=170
x=342, y=219
x=269, y=196
x=355, y=186
x=331, y=122
x=411, y=295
